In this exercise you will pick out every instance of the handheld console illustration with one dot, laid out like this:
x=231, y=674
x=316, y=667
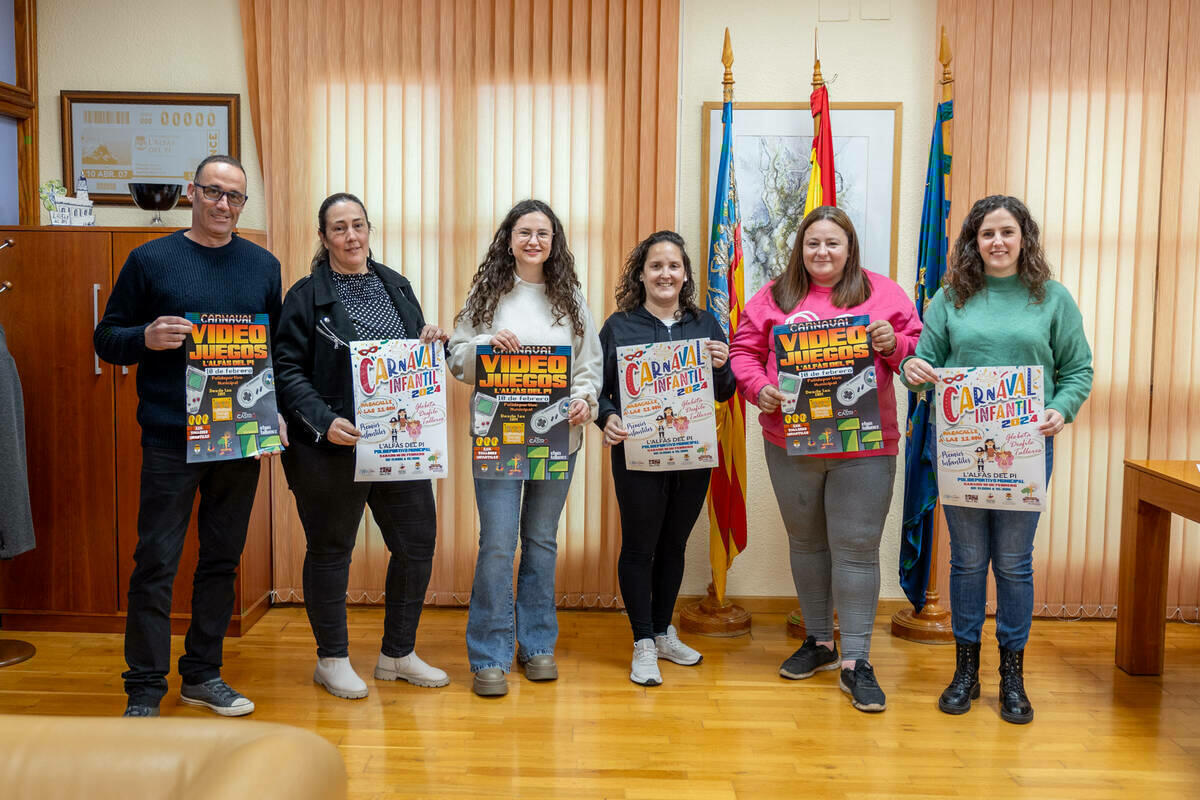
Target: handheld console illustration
x=196, y=379
x=250, y=392
x=484, y=408
x=547, y=418
x=849, y=392
x=789, y=387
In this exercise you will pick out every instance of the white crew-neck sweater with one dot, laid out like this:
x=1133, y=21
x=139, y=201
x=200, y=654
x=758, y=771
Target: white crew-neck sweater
x=526, y=312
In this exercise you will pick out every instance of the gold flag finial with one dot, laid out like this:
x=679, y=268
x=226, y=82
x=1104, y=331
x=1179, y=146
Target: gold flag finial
x=945, y=57
x=817, y=80
x=727, y=60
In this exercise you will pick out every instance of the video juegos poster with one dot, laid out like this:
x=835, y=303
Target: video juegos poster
x=519, y=412
x=229, y=388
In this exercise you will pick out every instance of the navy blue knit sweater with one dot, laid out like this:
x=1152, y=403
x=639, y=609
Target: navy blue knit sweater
x=173, y=276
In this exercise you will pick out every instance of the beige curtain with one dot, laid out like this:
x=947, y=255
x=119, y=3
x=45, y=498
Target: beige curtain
x=1090, y=111
x=440, y=114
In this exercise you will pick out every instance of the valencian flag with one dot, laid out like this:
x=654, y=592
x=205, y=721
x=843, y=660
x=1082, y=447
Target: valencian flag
x=920, y=480
x=727, y=489
x=822, y=188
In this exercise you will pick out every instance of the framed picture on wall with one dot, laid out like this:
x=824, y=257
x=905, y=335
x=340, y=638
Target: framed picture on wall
x=771, y=146
x=114, y=138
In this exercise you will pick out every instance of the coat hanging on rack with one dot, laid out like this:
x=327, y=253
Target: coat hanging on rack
x=16, y=517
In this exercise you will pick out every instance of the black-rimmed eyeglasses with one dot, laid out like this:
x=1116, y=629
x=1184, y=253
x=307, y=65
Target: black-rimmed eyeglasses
x=214, y=194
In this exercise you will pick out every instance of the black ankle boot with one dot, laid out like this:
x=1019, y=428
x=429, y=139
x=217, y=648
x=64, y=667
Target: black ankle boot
x=1014, y=703
x=965, y=685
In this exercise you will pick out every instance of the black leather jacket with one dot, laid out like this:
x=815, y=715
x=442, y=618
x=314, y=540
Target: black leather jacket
x=311, y=354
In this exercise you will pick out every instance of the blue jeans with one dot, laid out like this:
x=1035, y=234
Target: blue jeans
x=978, y=535
x=508, y=510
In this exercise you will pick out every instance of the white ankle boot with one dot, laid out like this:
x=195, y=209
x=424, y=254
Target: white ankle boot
x=339, y=678
x=409, y=668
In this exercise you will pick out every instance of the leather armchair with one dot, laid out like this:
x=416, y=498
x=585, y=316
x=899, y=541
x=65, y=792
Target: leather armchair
x=47, y=758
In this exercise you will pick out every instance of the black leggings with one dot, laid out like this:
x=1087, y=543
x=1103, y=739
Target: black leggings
x=658, y=511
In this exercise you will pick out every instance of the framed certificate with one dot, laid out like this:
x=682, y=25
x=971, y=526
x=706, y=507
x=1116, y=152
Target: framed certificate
x=114, y=138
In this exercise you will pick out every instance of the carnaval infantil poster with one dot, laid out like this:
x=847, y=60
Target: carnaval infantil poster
x=229, y=387
x=399, y=409
x=668, y=406
x=827, y=378
x=519, y=427
x=989, y=451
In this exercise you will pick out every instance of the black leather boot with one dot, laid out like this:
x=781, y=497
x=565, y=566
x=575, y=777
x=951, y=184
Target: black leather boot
x=1014, y=703
x=965, y=685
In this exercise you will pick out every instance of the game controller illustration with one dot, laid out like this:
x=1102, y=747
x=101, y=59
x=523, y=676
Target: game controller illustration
x=196, y=379
x=250, y=392
x=484, y=409
x=789, y=387
x=849, y=392
x=547, y=418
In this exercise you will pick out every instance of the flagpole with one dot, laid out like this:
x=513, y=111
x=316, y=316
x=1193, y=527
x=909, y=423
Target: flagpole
x=932, y=625
x=714, y=615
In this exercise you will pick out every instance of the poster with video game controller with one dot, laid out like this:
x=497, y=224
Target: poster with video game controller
x=399, y=409
x=229, y=387
x=668, y=406
x=827, y=379
x=990, y=453
x=519, y=428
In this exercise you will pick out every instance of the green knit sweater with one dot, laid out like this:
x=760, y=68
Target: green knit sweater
x=1001, y=326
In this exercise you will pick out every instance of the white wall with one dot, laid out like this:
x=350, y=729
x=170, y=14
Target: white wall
x=141, y=46
x=862, y=60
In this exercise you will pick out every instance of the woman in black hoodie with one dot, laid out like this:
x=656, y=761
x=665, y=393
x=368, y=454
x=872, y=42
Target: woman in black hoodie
x=656, y=302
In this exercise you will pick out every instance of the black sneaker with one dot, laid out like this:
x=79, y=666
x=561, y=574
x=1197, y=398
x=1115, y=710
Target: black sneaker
x=864, y=691
x=132, y=710
x=810, y=659
x=218, y=696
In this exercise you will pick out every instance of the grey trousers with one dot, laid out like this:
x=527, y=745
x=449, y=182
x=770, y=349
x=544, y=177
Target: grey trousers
x=833, y=510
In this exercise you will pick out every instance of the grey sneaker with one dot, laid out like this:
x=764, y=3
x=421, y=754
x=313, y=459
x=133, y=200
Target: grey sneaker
x=864, y=691
x=644, y=670
x=810, y=659
x=541, y=668
x=490, y=682
x=218, y=696
x=132, y=710
x=672, y=649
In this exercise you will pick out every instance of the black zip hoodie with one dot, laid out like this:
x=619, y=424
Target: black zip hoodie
x=641, y=327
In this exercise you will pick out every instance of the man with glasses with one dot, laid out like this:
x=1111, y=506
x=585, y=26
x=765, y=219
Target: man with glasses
x=205, y=269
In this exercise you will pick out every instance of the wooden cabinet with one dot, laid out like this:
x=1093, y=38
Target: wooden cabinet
x=84, y=444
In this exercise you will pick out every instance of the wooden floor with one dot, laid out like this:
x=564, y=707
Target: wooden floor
x=729, y=727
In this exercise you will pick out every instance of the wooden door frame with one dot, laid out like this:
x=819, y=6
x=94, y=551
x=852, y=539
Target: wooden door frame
x=19, y=102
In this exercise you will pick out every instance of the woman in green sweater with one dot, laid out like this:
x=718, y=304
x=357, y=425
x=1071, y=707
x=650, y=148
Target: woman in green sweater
x=999, y=307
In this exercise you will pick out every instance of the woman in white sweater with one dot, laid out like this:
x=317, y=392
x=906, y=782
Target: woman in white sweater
x=524, y=293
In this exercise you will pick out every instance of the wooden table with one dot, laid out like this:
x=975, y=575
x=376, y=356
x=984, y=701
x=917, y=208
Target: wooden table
x=1154, y=490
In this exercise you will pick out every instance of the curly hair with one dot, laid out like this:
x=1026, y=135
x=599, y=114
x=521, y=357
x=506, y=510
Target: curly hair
x=497, y=274
x=792, y=286
x=965, y=275
x=631, y=292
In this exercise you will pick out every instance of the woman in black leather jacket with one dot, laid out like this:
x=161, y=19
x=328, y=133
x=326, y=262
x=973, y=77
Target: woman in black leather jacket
x=348, y=297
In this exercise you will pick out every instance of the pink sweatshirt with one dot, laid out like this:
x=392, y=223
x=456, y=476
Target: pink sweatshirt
x=752, y=352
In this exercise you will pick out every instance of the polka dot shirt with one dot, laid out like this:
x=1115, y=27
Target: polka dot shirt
x=369, y=306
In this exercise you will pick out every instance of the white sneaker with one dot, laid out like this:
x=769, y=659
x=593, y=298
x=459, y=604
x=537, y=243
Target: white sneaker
x=670, y=648
x=645, y=664
x=409, y=668
x=339, y=678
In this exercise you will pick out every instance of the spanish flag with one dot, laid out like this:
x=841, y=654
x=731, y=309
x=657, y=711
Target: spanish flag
x=822, y=188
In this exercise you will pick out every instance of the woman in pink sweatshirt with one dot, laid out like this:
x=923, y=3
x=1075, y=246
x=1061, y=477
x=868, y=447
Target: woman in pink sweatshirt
x=833, y=504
